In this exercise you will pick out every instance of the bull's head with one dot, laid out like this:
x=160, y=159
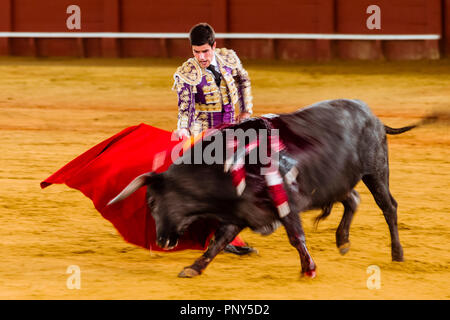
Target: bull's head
x=167, y=229
x=181, y=195
x=186, y=193
x=174, y=205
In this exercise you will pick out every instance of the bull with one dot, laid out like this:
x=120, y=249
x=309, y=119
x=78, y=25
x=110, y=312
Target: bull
x=334, y=144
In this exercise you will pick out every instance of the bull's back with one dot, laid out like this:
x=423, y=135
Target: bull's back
x=326, y=139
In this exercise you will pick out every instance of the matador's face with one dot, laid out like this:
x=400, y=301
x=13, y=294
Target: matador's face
x=204, y=54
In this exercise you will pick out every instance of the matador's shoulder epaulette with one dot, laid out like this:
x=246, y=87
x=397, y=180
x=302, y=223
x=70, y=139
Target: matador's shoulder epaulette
x=189, y=72
x=228, y=57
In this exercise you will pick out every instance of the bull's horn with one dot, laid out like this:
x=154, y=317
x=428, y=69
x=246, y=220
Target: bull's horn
x=138, y=182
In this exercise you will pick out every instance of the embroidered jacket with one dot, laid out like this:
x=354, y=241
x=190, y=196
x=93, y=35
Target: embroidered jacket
x=201, y=103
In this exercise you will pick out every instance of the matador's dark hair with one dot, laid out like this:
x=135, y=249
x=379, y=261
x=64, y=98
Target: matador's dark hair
x=201, y=34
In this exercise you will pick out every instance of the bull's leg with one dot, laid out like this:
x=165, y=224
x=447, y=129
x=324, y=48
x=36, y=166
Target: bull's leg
x=296, y=236
x=379, y=187
x=343, y=231
x=223, y=235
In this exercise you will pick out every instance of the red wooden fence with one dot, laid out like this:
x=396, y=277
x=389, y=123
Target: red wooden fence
x=229, y=16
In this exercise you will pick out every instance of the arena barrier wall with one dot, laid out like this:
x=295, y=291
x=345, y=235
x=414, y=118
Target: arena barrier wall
x=309, y=29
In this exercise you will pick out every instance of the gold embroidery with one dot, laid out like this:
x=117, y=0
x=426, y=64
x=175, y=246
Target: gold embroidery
x=234, y=98
x=179, y=85
x=248, y=104
x=209, y=89
x=216, y=107
x=228, y=57
x=185, y=99
x=213, y=97
x=184, y=106
x=209, y=78
x=190, y=72
x=183, y=121
x=185, y=96
x=224, y=92
x=228, y=88
x=200, y=123
x=246, y=91
x=196, y=128
x=205, y=124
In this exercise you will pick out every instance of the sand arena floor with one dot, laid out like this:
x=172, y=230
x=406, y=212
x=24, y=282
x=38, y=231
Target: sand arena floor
x=51, y=110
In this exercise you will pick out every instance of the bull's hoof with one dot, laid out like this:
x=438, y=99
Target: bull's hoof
x=343, y=248
x=398, y=259
x=311, y=274
x=188, y=273
x=397, y=254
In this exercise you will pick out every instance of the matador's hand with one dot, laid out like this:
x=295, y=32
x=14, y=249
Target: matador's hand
x=242, y=116
x=181, y=133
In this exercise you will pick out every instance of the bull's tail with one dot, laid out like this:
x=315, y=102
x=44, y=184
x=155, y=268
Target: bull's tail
x=138, y=182
x=431, y=118
x=390, y=130
x=326, y=210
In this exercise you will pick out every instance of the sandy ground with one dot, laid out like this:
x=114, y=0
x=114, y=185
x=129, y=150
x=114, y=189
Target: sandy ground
x=51, y=110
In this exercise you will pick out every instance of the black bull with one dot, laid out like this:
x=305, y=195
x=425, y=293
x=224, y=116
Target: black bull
x=335, y=144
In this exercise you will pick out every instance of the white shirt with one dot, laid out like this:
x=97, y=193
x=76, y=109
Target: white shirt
x=214, y=63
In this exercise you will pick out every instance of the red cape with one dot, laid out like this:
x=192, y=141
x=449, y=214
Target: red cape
x=104, y=170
